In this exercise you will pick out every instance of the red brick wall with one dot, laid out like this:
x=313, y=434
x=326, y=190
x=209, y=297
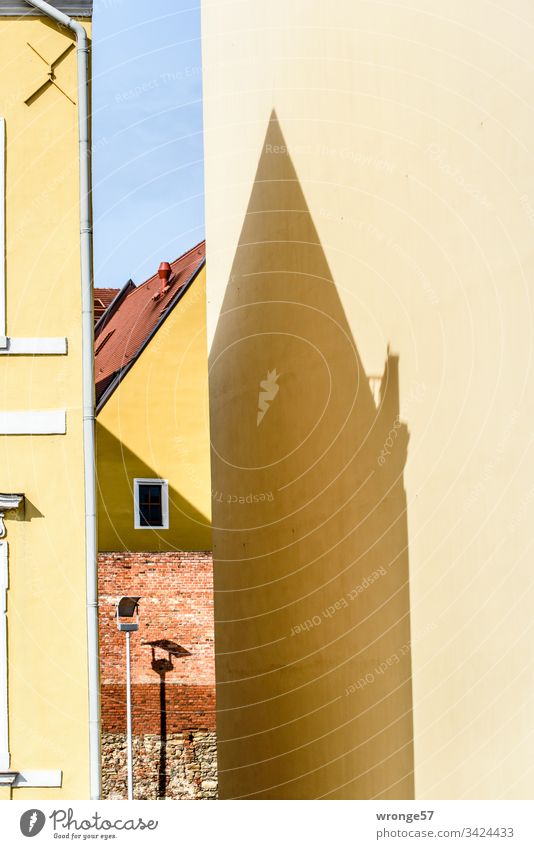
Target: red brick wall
x=176, y=590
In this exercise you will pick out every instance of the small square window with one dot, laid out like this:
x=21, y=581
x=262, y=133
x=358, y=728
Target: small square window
x=151, y=503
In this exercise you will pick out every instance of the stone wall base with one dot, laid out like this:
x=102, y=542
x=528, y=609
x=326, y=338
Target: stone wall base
x=182, y=767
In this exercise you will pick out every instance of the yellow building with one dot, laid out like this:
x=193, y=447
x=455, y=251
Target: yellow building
x=370, y=199
x=48, y=654
x=152, y=412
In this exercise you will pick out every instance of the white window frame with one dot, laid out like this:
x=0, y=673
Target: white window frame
x=164, y=504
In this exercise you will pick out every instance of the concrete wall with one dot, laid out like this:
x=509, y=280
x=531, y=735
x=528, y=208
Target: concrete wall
x=369, y=201
x=47, y=636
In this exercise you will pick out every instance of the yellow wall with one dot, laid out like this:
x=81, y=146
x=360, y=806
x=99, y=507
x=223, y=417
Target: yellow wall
x=387, y=202
x=156, y=425
x=47, y=636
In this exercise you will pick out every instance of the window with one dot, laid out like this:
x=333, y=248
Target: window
x=151, y=503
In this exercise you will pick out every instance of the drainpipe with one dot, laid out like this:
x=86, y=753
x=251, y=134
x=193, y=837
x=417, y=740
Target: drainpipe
x=86, y=262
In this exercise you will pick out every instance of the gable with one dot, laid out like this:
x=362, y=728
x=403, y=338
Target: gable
x=155, y=424
x=132, y=322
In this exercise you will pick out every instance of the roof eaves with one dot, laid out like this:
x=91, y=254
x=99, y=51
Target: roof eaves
x=121, y=373
x=78, y=8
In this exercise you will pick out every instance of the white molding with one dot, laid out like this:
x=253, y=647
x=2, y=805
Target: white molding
x=10, y=501
x=164, y=504
x=38, y=778
x=30, y=422
x=2, y=228
x=35, y=345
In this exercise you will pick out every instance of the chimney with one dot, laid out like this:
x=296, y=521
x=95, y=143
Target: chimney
x=164, y=273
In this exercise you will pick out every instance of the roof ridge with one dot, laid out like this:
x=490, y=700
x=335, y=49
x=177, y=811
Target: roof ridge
x=172, y=262
x=114, y=378
x=136, y=312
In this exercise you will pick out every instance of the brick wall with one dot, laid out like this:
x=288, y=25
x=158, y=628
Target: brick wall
x=173, y=675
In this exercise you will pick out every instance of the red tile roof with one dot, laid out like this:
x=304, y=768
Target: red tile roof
x=125, y=329
x=102, y=299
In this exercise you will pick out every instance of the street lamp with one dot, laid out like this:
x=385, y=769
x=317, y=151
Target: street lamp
x=128, y=608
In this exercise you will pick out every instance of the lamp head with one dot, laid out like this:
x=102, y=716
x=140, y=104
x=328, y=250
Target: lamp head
x=127, y=608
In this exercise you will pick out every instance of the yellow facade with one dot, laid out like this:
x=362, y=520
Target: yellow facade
x=369, y=185
x=47, y=633
x=156, y=425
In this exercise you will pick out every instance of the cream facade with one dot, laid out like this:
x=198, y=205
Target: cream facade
x=369, y=203
x=43, y=638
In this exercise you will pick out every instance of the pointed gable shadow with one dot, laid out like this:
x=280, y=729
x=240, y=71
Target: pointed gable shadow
x=310, y=536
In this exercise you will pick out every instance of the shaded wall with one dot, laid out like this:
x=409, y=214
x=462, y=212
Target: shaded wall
x=413, y=148
x=309, y=511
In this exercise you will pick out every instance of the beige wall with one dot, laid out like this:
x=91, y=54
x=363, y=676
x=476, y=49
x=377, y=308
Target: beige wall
x=46, y=601
x=388, y=202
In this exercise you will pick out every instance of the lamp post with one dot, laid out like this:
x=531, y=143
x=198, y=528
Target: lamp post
x=128, y=608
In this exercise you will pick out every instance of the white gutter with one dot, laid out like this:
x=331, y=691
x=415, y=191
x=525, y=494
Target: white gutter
x=86, y=260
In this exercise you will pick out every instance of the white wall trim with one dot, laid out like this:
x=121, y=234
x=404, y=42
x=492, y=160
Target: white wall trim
x=35, y=345
x=39, y=778
x=164, y=504
x=31, y=422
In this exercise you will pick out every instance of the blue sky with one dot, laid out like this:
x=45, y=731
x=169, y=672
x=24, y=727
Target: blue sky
x=147, y=136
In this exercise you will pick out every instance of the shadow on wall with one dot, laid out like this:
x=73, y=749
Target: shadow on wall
x=117, y=466
x=163, y=652
x=312, y=629
x=26, y=512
